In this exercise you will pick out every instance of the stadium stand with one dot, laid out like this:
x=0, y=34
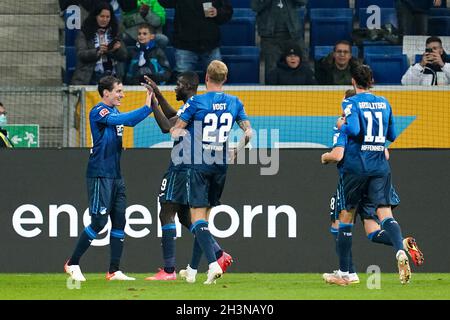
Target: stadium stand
x=240, y=30
x=329, y=26
x=387, y=15
x=240, y=3
x=243, y=64
x=381, y=50
x=366, y=3
x=388, y=68
x=439, y=25
x=328, y=4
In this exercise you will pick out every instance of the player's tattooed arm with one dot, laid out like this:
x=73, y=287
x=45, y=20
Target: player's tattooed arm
x=248, y=132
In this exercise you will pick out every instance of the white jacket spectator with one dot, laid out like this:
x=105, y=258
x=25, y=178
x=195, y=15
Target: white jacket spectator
x=433, y=69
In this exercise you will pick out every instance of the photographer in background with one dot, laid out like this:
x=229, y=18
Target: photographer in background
x=433, y=69
x=4, y=140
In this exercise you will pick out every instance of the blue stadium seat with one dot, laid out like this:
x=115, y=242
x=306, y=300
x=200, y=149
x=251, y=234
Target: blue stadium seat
x=243, y=12
x=170, y=53
x=312, y=4
x=240, y=50
x=239, y=31
x=439, y=12
x=439, y=26
x=329, y=26
x=388, y=69
x=387, y=15
x=383, y=50
x=322, y=51
x=240, y=3
x=381, y=3
x=71, y=25
x=71, y=63
x=242, y=68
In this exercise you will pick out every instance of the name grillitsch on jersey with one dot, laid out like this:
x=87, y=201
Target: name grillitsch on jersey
x=372, y=105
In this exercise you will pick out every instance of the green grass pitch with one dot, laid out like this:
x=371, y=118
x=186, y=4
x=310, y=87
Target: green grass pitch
x=233, y=286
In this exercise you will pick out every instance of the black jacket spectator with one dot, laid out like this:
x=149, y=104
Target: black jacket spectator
x=293, y=74
x=328, y=74
x=192, y=30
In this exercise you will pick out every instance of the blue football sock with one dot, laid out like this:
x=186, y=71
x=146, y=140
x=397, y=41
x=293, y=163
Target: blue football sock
x=334, y=233
x=83, y=244
x=345, y=246
x=169, y=234
x=217, y=249
x=116, y=238
x=204, y=239
x=380, y=236
x=394, y=232
x=196, y=254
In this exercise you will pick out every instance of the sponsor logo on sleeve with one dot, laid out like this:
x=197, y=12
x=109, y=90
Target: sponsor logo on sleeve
x=104, y=112
x=348, y=110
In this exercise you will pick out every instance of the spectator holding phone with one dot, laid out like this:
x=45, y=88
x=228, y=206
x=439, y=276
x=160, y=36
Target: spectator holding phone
x=433, y=69
x=100, y=50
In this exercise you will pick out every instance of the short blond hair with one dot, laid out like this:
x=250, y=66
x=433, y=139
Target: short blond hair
x=217, y=71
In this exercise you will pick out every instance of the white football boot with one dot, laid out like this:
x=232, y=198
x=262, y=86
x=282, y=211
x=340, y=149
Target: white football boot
x=214, y=273
x=74, y=272
x=188, y=274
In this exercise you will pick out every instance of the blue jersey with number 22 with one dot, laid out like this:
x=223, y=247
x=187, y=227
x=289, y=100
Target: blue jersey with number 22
x=210, y=117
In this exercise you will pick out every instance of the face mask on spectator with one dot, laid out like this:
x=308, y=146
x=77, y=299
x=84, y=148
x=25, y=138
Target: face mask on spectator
x=3, y=120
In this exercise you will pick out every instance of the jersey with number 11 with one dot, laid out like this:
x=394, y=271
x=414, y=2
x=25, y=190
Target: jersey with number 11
x=370, y=123
x=210, y=117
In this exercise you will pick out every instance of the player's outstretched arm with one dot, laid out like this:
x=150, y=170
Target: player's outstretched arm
x=129, y=119
x=167, y=109
x=161, y=119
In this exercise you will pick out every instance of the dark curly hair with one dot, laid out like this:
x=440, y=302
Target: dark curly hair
x=363, y=76
x=90, y=26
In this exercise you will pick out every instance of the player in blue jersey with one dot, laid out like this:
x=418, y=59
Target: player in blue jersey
x=368, y=218
x=366, y=174
x=173, y=193
x=106, y=188
x=205, y=122
x=366, y=213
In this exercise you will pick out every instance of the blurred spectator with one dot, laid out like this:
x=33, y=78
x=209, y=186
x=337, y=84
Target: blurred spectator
x=99, y=47
x=136, y=12
x=413, y=15
x=336, y=68
x=147, y=59
x=433, y=69
x=196, y=35
x=278, y=24
x=290, y=69
x=4, y=140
